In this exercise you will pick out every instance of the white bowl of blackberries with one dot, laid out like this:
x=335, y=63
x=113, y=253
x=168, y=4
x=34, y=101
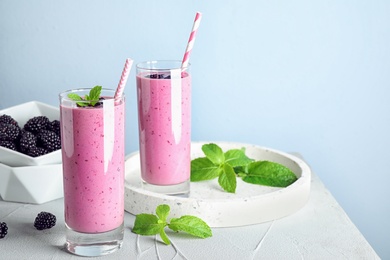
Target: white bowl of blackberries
x=30, y=152
x=30, y=135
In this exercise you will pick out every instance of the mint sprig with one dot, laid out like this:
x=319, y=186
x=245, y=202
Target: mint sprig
x=90, y=99
x=150, y=224
x=234, y=163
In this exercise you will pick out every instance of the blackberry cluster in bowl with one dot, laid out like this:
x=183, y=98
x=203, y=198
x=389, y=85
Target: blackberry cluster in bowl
x=37, y=137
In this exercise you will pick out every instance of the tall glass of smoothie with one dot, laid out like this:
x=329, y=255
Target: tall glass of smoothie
x=93, y=152
x=164, y=122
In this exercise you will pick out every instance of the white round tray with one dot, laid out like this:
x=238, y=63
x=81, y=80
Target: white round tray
x=251, y=204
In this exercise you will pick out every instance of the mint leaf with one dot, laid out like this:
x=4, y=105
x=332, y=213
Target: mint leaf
x=237, y=157
x=94, y=95
x=162, y=212
x=203, y=169
x=191, y=225
x=214, y=153
x=227, y=179
x=269, y=174
x=147, y=224
x=75, y=97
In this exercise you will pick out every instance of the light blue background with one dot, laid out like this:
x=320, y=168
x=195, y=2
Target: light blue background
x=305, y=76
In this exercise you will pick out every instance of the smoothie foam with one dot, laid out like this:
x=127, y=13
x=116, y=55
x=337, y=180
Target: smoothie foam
x=164, y=114
x=93, y=166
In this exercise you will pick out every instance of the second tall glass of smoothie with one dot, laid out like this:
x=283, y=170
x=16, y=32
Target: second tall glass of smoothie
x=93, y=153
x=164, y=121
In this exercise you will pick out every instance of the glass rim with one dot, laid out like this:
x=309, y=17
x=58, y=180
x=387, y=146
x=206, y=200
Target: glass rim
x=148, y=65
x=64, y=95
x=76, y=90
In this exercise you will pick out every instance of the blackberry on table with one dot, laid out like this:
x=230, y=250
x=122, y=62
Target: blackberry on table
x=44, y=220
x=36, y=124
x=8, y=144
x=3, y=229
x=27, y=141
x=7, y=119
x=36, y=151
x=9, y=132
x=49, y=140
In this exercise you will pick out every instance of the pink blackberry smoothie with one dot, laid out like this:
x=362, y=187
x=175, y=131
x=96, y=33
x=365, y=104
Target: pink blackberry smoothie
x=164, y=113
x=93, y=165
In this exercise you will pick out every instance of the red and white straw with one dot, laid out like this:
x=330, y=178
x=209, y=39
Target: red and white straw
x=191, y=41
x=123, y=80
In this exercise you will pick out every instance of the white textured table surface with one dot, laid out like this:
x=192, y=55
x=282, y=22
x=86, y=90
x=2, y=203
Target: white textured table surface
x=320, y=230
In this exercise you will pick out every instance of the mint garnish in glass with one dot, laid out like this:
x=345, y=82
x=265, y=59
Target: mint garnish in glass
x=89, y=100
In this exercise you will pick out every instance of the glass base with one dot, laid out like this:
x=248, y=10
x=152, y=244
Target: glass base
x=94, y=244
x=181, y=189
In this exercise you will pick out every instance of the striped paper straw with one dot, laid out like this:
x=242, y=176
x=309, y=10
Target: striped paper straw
x=122, y=82
x=191, y=41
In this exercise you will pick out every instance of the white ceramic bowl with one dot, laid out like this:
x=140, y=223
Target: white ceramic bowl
x=31, y=184
x=22, y=113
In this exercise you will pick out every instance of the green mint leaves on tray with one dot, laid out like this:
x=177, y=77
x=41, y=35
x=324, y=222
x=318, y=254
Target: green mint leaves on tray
x=92, y=98
x=229, y=165
x=150, y=224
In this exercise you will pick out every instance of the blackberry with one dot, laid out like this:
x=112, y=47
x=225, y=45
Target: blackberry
x=49, y=140
x=27, y=141
x=100, y=103
x=3, y=229
x=54, y=126
x=7, y=119
x=8, y=144
x=44, y=220
x=36, y=151
x=9, y=132
x=36, y=124
x=155, y=76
